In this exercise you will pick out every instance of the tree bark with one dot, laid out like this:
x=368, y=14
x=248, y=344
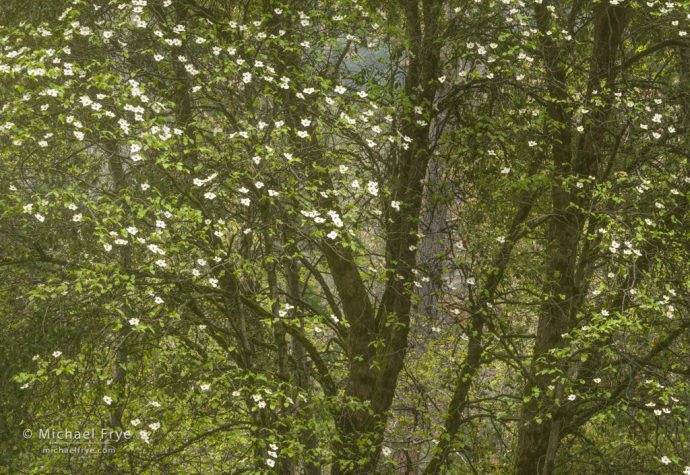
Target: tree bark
x=539, y=436
x=374, y=373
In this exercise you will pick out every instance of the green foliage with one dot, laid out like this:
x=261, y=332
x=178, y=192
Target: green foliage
x=324, y=237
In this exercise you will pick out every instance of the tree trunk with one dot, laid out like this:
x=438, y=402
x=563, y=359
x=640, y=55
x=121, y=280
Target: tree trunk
x=539, y=435
x=374, y=372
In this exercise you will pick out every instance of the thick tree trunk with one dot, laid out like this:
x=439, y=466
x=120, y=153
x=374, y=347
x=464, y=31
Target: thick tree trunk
x=539, y=434
x=374, y=372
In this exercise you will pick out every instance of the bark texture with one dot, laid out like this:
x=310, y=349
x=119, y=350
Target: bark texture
x=539, y=435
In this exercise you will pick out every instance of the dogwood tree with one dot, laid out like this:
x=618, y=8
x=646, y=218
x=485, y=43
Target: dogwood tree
x=346, y=237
